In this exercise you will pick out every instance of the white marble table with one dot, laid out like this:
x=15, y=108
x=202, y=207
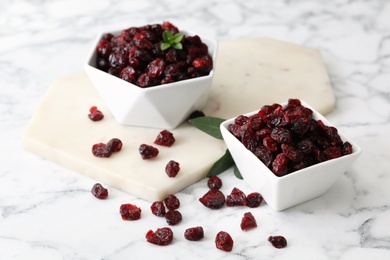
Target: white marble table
x=47, y=211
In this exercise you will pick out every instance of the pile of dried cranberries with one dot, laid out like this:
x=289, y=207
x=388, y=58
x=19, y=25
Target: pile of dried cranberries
x=137, y=56
x=287, y=139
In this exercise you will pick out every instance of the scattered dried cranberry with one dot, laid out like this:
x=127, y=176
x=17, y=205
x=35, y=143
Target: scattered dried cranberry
x=105, y=150
x=162, y=236
x=194, y=233
x=236, y=198
x=224, y=241
x=173, y=217
x=213, y=199
x=148, y=151
x=278, y=241
x=172, y=202
x=172, y=168
x=214, y=182
x=99, y=191
x=158, y=208
x=165, y=138
x=130, y=212
x=253, y=200
x=95, y=114
x=287, y=139
x=248, y=221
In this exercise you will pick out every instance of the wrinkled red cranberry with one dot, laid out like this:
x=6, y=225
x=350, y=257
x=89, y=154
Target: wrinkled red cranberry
x=99, y=191
x=105, y=150
x=158, y=208
x=248, y=221
x=173, y=217
x=236, y=198
x=95, y=114
x=172, y=168
x=214, y=182
x=148, y=151
x=280, y=165
x=224, y=241
x=165, y=138
x=194, y=233
x=130, y=212
x=162, y=236
x=114, y=145
x=172, y=202
x=213, y=199
x=278, y=241
x=254, y=199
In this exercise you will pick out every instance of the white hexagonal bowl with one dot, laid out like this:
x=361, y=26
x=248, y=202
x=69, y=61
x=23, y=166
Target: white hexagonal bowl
x=164, y=106
x=292, y=189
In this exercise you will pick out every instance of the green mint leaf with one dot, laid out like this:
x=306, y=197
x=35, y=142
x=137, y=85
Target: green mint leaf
x=166, y=35
x=209, y=125
x=165, y=46
x=177, y=37
x=223, y=163
x=178, y=46
x=237, y=172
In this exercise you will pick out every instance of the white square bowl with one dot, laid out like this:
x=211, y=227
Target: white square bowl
x=164, y=106
x=294, y=188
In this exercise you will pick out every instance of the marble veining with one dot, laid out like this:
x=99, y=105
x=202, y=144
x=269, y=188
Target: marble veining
x=47, y=211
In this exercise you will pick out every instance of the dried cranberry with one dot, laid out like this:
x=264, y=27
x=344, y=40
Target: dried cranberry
x=105, y=150
x=95, y=114
x=291, y=153
x=114, y=145
x=165, y=138
x=162, y=236
x=130, y=212
x=104, y=48
x=194, y=233
x=172, y=202
x=264, y=155
x=278, y=241
x=173, y=217
x=129, y=74
x=148, y=151
x=346, y=148
x=333, y=152
x=253, y=200
x=236, y=198
x=204, y=63
x=158, y=208
x=100, y=150
x=248, y=221
x=172, y=168
x=155, y=68
x=270, y=144
x=280, y=165
x=224, y=241
x=214, y=182
x=99, y=191
x=281, y=135
x=213, y=199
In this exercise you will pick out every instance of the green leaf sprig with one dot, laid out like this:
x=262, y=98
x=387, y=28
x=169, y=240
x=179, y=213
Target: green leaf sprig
x=170, y=40
x=210, y=125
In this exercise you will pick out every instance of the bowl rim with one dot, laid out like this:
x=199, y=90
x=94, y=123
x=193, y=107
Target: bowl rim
x=88, y=63
x=356, y=150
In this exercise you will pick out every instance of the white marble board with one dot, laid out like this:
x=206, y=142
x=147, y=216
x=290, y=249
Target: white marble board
x=250, y=73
